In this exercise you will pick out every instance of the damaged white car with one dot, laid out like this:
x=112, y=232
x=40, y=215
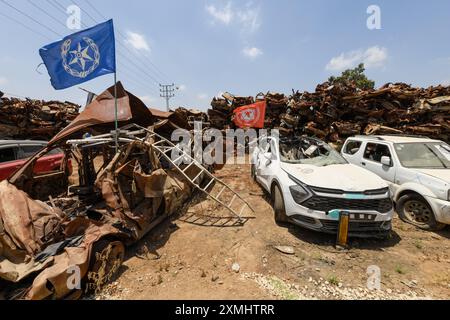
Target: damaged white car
x=417, y=170
x=311, y=184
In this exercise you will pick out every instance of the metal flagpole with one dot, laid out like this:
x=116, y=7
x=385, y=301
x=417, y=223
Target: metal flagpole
x=116, y=122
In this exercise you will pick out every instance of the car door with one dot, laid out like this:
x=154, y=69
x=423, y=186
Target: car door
x=26, y=151
x=371, y=160
x=51, y=162
x=8, y=161
x=351, y=151
x=266, y=159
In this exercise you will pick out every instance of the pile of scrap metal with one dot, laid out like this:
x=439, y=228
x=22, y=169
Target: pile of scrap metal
x=335, y=112
x=221, y=114
x=22, y=119
x=50, y=223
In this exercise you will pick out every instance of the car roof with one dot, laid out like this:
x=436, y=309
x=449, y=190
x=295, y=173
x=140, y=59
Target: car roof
x=397, y=139
x=29, y=142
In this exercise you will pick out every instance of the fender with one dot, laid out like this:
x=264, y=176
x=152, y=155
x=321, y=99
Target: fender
x=415, y=187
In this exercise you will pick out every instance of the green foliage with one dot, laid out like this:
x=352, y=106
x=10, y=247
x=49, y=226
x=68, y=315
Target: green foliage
x=355, y=76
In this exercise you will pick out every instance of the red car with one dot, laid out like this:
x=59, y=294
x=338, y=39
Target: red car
x=14, y=154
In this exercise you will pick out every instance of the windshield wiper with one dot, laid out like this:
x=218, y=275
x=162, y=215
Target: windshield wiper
x=437, y=156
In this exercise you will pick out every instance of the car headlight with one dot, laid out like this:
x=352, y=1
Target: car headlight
x=300, y=192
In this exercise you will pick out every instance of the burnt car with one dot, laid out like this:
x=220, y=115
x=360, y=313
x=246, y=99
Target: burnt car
x=53, y=225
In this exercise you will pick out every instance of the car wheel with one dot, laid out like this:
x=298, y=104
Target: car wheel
x=415, y=210
x=253, y=172
x=278, y=205
x=106, y=259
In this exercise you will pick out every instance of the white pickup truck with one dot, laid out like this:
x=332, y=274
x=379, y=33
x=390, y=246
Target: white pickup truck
x=417, y=170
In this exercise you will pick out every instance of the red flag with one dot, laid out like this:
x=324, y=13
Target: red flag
x=251, y=116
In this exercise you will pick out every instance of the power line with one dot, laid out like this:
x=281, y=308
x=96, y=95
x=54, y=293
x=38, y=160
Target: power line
x=138, y=68
x=60, y=8
x=87, y=13
x=48, y=38
x=25, y=26
x=124, y=39
x=30, y=17
x=130, y=76
x=124, y=56
x=63, y=11
x=46, y=13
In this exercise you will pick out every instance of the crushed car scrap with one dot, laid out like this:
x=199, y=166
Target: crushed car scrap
x=337, y=111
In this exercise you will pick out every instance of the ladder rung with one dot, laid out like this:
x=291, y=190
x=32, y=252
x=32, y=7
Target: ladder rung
x=186, y=169
x=156, y=143
x=242, y=209
x=176, y=160
x=232, y=200
x=209, y=184
x=198, y=176
x=221, y=191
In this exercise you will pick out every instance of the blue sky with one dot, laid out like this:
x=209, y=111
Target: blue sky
x=245, y=47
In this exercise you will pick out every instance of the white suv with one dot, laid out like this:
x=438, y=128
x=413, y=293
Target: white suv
x=417, y=170
x=311, y=185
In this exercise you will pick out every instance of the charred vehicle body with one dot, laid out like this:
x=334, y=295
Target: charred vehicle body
x=51, y=223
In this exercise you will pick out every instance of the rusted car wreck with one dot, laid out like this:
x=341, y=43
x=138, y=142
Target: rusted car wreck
x=53, y=222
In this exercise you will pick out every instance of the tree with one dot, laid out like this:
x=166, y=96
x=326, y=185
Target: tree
x=355, y=76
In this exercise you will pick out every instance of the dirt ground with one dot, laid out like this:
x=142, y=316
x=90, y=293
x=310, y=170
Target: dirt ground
x=187, y=259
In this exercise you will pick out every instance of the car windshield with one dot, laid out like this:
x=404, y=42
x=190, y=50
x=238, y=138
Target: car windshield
x=424, y=155
x=309, y=151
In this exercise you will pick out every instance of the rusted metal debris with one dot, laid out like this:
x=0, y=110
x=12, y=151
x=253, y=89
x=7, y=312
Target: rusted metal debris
x=50, y=223
x=40, y=120
x=335, y=112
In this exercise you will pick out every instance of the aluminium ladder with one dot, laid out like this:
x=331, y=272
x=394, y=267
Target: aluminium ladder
x=165, y=148
x=236, y=206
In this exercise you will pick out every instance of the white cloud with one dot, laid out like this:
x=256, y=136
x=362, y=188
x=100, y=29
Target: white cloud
x=246, y=18
x=182, y=87
x=224, y=15
x=249, y=17
x=373, y=57
x=252, y=53
x=3, y=80
x=137, y=41
x=202, y=96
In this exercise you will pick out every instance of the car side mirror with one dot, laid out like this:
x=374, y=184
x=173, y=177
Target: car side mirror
x=386, y=161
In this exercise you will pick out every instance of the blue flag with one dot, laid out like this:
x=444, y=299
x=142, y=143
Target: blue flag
x=81, y=57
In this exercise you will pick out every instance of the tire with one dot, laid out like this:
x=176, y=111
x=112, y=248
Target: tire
x=415, y=210
x=253, y=172
x=278, y=205
x=106, y=259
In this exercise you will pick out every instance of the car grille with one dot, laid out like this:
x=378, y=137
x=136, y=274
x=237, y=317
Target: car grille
x=327, y=204
x=332, y=226
x=376, y=192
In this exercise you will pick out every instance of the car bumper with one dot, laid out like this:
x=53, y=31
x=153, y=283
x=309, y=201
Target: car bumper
x=441, y=209
x=380, y=227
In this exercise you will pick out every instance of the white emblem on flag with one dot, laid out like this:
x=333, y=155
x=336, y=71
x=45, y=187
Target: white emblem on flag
x=81, y=60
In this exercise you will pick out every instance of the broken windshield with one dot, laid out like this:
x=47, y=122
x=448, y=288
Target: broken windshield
x=424, y=155
x=309, y=151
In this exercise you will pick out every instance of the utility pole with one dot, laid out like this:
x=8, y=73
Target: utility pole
x=167, y=92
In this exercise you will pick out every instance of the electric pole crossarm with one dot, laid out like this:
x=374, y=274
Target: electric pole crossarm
x=167, y=92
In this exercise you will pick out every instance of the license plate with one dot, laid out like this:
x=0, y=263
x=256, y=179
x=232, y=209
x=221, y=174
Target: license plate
x=362, y=217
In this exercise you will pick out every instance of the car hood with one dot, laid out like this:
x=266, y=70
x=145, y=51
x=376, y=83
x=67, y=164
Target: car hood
x=442, y=174
x=346, y=177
